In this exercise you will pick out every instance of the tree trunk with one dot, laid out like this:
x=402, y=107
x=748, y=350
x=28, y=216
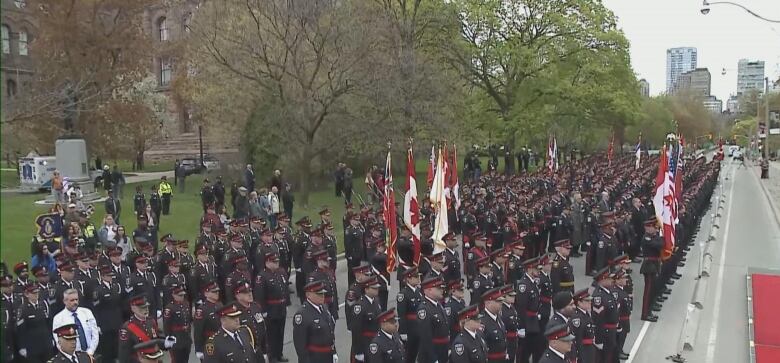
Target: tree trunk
x=305, y=175
x=620, y=135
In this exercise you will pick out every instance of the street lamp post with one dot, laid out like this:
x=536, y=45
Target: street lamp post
x=706, y=9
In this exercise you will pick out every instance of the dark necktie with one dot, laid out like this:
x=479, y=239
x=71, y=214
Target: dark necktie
x=82, y=334
x=238, y=340
x=73, y=358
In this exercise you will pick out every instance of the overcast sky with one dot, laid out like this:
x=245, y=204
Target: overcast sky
x=722, y=37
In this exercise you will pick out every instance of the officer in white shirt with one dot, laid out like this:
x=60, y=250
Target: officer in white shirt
x=82, y=318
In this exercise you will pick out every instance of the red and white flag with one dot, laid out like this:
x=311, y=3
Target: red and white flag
x=412, y=208
x=431, y=167
x=665, y=200
x=389, y=215
x=439, y=202
x=455, y=185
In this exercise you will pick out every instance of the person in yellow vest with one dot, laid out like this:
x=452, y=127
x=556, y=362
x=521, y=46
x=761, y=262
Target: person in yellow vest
x=166, y=192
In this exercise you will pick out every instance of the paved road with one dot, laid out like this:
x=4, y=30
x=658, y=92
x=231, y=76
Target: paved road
x=748, y=237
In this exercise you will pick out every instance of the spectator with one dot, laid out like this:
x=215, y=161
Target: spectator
x=106, y=178
x=265, y=206
x=249, y=178
x=155, y=201
x=241, y=208
x=117, y=182
x=224, y=217
x=57, y=187
x=276, y=180
x=44, y=258
x=255, y=209
x=346, y=189
x=206, y=194
x=273, y=204
x=123, y=241
x=86, y=325
x=288, y=200
x=166, y=193
x=151, y=218
x=339, y=176
x=176, y=165
x=139, y=200
x=233, y=195
x=113, y=206
x=180, y=175
x=72, y=215
x=219, y=192
x=107, y=232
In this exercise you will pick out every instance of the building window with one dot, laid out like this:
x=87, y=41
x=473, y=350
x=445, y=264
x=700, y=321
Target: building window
x=20, y=3
x=22, y=42
x=10, y=88
x=166, y=70
x=162, y=24
x=186, y=22
x=6, y=39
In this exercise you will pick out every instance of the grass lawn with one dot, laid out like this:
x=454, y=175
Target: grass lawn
x=18, y=211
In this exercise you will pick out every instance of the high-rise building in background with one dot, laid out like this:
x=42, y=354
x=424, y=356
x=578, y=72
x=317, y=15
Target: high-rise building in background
x=713, y=104
x=732, y=104
x=644, y=88
x=697, y=81
x=678, y=61
x=750, y=76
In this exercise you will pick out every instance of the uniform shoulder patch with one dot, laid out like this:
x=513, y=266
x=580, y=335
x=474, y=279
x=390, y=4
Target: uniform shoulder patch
x=575, y=322
x=198, y=313
x=448, y=310
x=167, y=313
x=421, y=314
x=597, y=300
x=122, y=334
x=298, y=319
x=357, y=309
x=601, y=244
x=400, y=298
x=476, y=284
x=521, y=287
x=373, y=348
x=459, y=348
x=209, y=348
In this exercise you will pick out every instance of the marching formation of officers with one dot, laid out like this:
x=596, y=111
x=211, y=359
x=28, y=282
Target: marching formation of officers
x=229, y=301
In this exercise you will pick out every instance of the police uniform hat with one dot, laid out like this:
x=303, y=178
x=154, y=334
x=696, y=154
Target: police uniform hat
x=271, y=257
x=582, y=295
x=31, y=289
x=619, y=259
x=619, y=274
x=236, y=238
x=115, y=251
x=229, y=310
x=371, y=282
x=149, y=349
x=387, y=316
x=559, y=332
x=327, y=227
x=494, y=294
x=606, y=224
x=363, y=268
x=283, y=217
x=106, y=270
x=66, y=266
x=480, y=237
x=603, y=274
x=39, y=271
x=563, y=243
x=483, y=261
x=147, y=247
x=545, y=259
x=508, y=290
x=67, y=331
x=437, y=257
x=469, y=313
x=304, y=222
x=167, y=238
x=184, y=243
x=173, y=262
x=317, y=287
x=211, y=286
x=455, y=285
x=139, y=300
x=517, y=245
x=20, y=267
x=531, y=263
x=316, y=233
x=651, y=222
x=325, y=211
x=242, y=288
x=267, y=232
x=321, y=256
x=499, y=253
x=561, y=299
x=433, y=282
x=450, y=236
x=140, y=259
x=239, y=260
x=177, y=289
x=201, y=249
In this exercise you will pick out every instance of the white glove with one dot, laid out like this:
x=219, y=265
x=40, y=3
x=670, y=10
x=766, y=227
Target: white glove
x=199, y=355
x=404, y=337
x=360, y=357
x=599, y=346
x=23, y=352
x=265, y=357
x=620, y=330
x=169, y=341
x=159, y=313
x=335, y=358
x=521, y=333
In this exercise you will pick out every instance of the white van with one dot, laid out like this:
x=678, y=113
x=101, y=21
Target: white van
x=35, y=173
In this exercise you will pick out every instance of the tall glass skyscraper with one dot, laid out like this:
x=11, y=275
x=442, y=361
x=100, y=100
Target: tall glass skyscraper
x=678, y=61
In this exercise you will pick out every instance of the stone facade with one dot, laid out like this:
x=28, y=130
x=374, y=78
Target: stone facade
x=18, y=30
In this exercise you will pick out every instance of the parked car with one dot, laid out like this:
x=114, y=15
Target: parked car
x=193, y=166
x=737, y=155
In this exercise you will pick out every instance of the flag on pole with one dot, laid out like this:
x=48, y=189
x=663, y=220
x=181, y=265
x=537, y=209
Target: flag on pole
x=611, y=149
x=455, y=185
x=638, y=151
x=431, y=166
x=389, y=215
x=552, y=154
x=664, y=200
x=446, y=174
x=412, y=208
x=439, y=202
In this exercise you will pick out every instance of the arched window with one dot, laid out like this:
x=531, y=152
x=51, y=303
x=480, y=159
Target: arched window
x=162, y=25
x=166, y=71
x=22, y=42
x=6, y=39
x=10, y=88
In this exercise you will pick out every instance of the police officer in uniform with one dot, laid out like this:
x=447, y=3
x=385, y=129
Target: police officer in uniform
x=626, y=303
x=362, y=272
x=108, y=312
x=387, y=346
x=233, y=342
x=379, y=266
x=451, y=259
x=560, y=342
x=511, y=321
x=272, y=295
x=527, y=304
x=469, y=346
x=7, y=321
x=66, y=337
x=433, y=325
x=252, y=317
x=407, y=301
x=605, y=317
x=454, y=303
x=473, y=255
x=494, y=328
x=353, y=244
x=177, y=321
x=324, y=274
x=65, y=282
x=313, y=328
x=482, y=281
x=498, y=267
x=582, y=327
x=203, y=273
x=514, y=268
x=545, y=289
x=298, y=251
x=143, y=281
x=364, y=318
x=45, y=288
x=173, y=278
x=140, y=328
x=562, y=273
x=32, y=327
x=652, y=244
x=206, y=321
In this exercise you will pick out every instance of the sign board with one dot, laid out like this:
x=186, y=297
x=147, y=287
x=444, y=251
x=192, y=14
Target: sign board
x=762, y=136
x=774, y=131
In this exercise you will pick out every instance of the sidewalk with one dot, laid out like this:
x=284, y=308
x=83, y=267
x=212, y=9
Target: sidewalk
x=771, y=186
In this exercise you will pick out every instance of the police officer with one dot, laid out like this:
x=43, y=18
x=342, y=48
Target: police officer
x=298, y=249
x=626, y=303
x=186, y=260
x=545, y=289
x=387, y=346
x=498, y=267
x=511, y=321
x=6, y=320
x=143, y=281
x=473, y=254
x=451, y=259
x=177, y=321
x=482, y=281
x=173, y=278
x=652, y=244
x=364, y=318
x=454, y=303
x=65, y=282
x=606, y=248
x=582, y=327
x=22, y=271
x=407, y=301
x=266, y=247
x=562, y=273
x=234, y=342
x=140, y=328
x=324, y=274
x=362, y=272
x=494, y=329
x=313, y=328
x=32, y=327
x=206, y=320
x=379, y=267
x=66, y=338
x=353, y=244
x=272, y=295
x=469, y=346
x=605, y=317
x=329, y=241
x=433, y=325
x=87, y=277
x=45, y=288
x=108, y=311
x=560, y=342
x=203, y=273
x=527, y=304
x=514, y=268
x=239, y=275
x=252, y=317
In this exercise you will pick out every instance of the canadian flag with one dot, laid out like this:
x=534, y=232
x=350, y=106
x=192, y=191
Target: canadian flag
x=665, y=200
x=412, y=208
x=389, y=215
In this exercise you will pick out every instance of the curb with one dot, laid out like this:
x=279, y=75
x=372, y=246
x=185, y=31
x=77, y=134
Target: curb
x=775, y=209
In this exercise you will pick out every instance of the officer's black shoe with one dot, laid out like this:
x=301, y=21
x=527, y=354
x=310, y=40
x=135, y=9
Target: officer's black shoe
x=656, y=307
x=662, y=298
x=651, y=318
x=282, y=359
x=623, y=356
x=676, y=275
x=680, y=264
x=670, y=282
x=668, y=291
